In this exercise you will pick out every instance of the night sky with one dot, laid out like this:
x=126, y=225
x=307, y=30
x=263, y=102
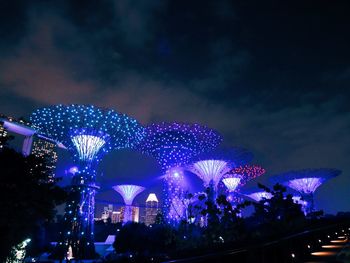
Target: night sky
x=271, y=76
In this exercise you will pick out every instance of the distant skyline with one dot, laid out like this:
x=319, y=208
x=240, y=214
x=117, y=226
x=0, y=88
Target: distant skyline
x=270, y=76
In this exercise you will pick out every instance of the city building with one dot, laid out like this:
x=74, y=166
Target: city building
x=45, y=148
x=135, y=214
x=116, y=217
x=33, y=143
x=151, y=210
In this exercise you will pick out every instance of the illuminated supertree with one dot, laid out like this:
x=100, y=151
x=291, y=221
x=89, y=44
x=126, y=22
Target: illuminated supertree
x=173, y=145
x=258, y=195
x=231, y=184
x=128, y=192
x=87, y=132
x=245, y=173
x=214, y=165
x=306, y=182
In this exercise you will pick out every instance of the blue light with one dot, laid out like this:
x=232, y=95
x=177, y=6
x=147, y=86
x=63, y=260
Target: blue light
x=87, y=146
x=88, y=133
x=173, y=145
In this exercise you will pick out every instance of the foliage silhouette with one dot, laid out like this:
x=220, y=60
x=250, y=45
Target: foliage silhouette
x=28, y=197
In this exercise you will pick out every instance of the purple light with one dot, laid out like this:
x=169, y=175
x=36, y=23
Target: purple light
x=87, y=130
x=173, y=145
x=18, y=128
x=210, y=171
x=305, y=185
x=88, y=133
x=306, y=182
x=128, y=192
x=73, y=170
x=231, y=183
x=258, y=196
x=177, y=208
x=246, y=173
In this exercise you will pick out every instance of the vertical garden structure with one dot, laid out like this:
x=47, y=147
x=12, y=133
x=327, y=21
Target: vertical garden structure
x=128, y=192
x=173, y=145
x=88, y=133
x=211, y=167
x=243, y=174
x=306, y=182
x=257, y=194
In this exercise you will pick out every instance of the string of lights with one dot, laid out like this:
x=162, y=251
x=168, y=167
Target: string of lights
x=173, y=145
x=88, y=133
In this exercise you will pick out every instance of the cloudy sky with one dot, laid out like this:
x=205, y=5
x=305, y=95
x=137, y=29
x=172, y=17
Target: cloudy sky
x=272, y=76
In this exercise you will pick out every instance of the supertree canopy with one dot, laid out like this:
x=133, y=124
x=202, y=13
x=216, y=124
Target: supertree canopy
x=173, y=145
x=128, y=192
x=231, y=183
x=244, y=173
x=306, y=182
x=258, y=196
x=210, y=171
x=88, y=132
x=214, y=165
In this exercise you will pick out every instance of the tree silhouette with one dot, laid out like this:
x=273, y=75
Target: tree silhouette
x=28, y=198
x=279, y=213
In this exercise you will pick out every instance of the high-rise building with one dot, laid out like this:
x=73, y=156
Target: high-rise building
x=135, y=214
x=33, y=143
x=47, y=149
x=151, y=209
x=116, y=217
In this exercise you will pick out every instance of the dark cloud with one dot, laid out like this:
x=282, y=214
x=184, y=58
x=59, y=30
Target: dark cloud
x=272, y=77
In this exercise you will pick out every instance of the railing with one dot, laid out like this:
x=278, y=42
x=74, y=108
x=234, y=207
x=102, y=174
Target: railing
x=293, y=248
